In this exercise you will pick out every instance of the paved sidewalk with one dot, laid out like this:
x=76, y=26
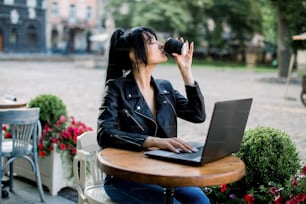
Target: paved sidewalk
x=81, y=87
x=25, y=192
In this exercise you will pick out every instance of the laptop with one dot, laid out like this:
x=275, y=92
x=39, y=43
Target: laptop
x=224, y=137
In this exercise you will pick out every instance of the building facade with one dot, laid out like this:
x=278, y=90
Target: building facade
x=70, y=24
x=22, y=26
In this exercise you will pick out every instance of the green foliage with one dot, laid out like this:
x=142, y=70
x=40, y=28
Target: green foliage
x=243, y=17
x=269, y=156
x=189, y=18
x=272, y=171
x=161, y=16
x=51, y=108
x=268, y=14
x=292, y=192
x=293, y=13
x=174, y=18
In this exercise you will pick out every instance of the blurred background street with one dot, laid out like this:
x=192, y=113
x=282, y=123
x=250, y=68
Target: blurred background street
x=80, y=86
x=242, y=49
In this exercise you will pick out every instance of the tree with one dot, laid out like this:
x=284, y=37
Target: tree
x=165, y=16
x=189, y=18
x=243, y=19
x=172, y=17
x=268, y=14
x=290, y=21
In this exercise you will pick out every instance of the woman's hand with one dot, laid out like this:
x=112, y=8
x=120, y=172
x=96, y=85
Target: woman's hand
x=184, y=63
x=173, y=144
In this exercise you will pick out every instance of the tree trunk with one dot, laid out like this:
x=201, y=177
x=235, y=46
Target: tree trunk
x=283, y=47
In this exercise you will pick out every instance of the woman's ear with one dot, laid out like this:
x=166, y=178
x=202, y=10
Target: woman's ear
x=132, y=56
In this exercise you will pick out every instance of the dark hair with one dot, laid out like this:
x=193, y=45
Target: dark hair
x=121, y=43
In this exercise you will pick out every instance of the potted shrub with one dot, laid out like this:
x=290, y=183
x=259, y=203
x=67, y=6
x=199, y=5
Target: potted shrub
x=57, y=144
x=51, y=108
x=272, y=164
x=269, y=156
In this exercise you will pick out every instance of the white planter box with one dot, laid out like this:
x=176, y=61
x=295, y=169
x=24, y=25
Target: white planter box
x=55, y=173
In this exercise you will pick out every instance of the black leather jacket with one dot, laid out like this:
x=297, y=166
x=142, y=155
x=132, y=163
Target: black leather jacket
x=125, y=120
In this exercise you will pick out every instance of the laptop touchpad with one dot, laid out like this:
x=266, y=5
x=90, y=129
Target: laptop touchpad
x=160, y=152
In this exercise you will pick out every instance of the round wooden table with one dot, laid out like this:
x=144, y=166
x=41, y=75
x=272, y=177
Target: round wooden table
x=137, y=167
x=12, y=104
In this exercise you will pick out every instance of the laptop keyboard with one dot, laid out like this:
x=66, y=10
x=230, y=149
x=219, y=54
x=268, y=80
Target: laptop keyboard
x=187, y=155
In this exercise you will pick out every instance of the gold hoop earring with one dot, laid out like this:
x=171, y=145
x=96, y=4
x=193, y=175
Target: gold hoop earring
x=135, y=66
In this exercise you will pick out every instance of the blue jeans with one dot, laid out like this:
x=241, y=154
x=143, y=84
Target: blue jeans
x=123, y=191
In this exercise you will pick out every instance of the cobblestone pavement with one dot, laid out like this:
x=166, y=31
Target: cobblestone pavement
x=80, y=86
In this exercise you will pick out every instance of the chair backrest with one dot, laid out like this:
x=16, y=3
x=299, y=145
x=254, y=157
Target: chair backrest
x=88, y=142
x=88, y=145
x=24, y=127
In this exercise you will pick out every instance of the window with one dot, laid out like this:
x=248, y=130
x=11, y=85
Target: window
x=44, y=4
x=32, y=13
x=31, y=35
x=31, y=3
x=13, y=36
x=54, y=9
x=14, y=16
x=89, y=13
x=72, y=14
x=54, y=38
x=9, y=2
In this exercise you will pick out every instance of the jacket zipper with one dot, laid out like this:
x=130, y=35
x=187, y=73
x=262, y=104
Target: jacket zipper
x=130, y=116
x=124, y=140
x=171, y=106
x=149, y=119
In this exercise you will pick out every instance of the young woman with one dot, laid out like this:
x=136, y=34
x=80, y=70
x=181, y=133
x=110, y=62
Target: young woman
x=139, y=111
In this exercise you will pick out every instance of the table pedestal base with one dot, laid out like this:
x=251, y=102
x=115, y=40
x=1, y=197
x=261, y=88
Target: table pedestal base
x=169, y=195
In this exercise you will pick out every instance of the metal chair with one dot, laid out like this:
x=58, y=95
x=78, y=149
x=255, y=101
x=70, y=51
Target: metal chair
x=25, y=129
x=87, y=176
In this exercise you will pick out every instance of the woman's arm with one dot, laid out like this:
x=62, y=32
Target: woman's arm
x=108, y=133
x=184, y=63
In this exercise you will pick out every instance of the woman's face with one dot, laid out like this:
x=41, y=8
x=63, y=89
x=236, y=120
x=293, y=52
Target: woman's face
x=155, y=51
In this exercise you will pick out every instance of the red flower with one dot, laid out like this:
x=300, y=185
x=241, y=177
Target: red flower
x=55, y=140
x=61, y=136
x=300, y=197
x=294, y=181
x=46, y=129
x=70, y=146
x=249, y=198
x=304, y=170
x=73, y=151
x=8, y=135
x=62, y=120
x=273, y=190
x=278, y=199
x=41, y=146
x=75, y=139
x=62, y=146
x=51, y=148
x=72, y=120
x=223, y=188
x=42, y=153
x=4, y=128
x=6, y=131
x=291, y=202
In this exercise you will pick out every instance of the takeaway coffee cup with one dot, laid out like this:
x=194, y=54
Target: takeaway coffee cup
x=175, y=46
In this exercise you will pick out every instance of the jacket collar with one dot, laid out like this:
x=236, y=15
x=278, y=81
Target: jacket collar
x=133, y=95
x=132, y=91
